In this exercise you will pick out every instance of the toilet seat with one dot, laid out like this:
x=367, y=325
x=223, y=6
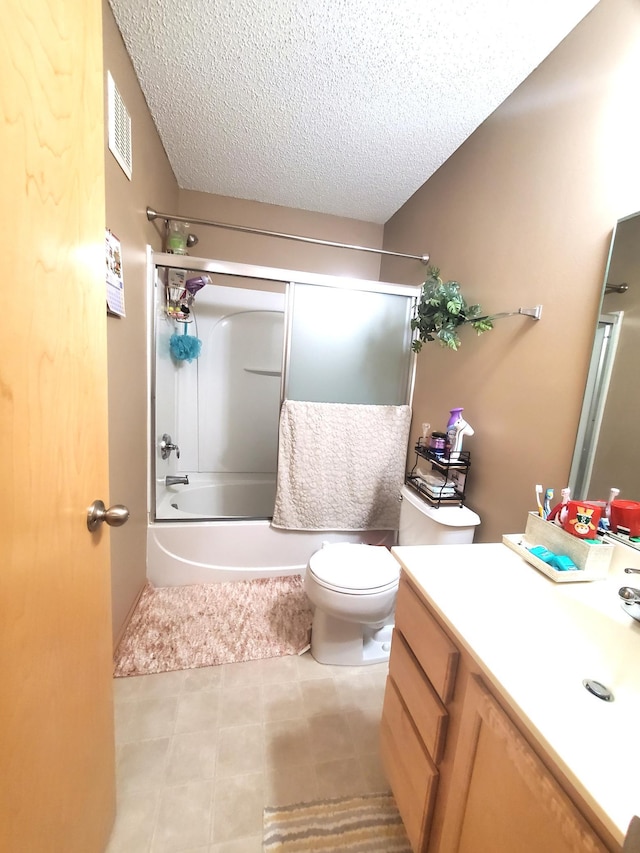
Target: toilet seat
x=354, y=569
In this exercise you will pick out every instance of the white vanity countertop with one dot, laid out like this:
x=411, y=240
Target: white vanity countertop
x=536, y=640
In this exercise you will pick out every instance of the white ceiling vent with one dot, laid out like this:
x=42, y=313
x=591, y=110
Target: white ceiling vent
x=119, y=128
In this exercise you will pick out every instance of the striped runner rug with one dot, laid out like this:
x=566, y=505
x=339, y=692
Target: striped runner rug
x=366, y=824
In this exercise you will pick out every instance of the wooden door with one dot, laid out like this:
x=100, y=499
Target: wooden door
x=501, y=796
x=56, y=709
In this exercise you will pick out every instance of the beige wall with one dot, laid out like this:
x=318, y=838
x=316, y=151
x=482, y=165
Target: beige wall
x=522, y=215
x=227, y=245
x=153, y=184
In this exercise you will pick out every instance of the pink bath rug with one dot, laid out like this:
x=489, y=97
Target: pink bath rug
x=183, y=627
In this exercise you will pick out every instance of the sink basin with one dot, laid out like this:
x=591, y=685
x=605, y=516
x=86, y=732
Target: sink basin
x=582, y=631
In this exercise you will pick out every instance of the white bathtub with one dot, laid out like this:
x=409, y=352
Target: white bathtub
x=218, y=496
x=181, y=549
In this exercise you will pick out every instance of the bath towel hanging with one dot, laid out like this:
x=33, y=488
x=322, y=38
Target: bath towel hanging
x=340, y=466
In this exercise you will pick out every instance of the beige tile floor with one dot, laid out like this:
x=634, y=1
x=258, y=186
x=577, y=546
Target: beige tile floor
x=201, y=752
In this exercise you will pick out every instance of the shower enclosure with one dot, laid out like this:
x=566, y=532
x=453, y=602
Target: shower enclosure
x=266, y=334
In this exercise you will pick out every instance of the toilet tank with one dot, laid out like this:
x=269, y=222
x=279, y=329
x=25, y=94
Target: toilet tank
x=422, y=524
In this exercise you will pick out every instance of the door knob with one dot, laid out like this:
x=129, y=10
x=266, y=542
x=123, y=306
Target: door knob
x=115, y=516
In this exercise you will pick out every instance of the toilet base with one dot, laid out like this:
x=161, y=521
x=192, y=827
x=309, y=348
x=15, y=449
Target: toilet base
x=342, y=643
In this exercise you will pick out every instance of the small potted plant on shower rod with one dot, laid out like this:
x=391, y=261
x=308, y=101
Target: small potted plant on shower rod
x=441, y=308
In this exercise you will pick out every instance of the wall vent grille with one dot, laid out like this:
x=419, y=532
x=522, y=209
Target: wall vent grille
x=119, y=128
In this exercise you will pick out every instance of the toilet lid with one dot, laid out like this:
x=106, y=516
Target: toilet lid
x=355, y=568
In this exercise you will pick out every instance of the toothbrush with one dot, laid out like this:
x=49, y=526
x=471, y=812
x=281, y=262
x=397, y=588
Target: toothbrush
x=548, y=497
x=565, y=494
x=613, y=494
x=539, y=500
x=559, y=512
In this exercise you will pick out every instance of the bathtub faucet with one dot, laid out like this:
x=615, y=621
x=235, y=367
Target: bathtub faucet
x=176, y=481
x=167, y=445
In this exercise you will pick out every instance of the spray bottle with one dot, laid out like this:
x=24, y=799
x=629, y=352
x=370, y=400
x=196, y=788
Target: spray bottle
x=457, y=428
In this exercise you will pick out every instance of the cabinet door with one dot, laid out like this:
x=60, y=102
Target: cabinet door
x=502, y=797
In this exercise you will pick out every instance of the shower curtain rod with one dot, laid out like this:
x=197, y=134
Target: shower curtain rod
x=168, y=217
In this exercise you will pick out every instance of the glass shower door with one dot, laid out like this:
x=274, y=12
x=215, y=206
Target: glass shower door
x=222, y=408
x=348, y=346
x=343, y=341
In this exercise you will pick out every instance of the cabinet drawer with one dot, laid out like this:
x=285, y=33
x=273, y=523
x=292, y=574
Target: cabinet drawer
x=429, y=715
x=434, y=651
x=410, y=771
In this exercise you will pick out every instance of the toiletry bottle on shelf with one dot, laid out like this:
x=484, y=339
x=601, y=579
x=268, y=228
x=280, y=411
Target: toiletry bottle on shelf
x=451, y=429
x=457, y=428
x=423, y=441
x=438, y=444
x=454, y=415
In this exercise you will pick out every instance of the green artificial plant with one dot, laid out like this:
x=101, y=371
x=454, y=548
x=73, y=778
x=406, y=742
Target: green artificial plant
x=441, y=308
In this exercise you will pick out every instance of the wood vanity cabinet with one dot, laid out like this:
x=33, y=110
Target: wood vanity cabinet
x=465, y=778
x=413, y=732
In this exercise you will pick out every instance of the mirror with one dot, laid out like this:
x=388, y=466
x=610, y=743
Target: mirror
x=607, y=453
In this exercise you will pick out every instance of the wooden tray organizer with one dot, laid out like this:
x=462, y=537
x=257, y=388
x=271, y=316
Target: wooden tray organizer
x=592, y=560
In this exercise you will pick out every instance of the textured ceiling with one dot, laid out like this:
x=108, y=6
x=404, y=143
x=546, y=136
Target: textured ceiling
x=338, y=106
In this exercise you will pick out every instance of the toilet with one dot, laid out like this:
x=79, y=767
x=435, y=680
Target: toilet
x=353, y=587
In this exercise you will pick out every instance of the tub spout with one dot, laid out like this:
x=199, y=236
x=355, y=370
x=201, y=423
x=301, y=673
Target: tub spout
x=176, y=481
